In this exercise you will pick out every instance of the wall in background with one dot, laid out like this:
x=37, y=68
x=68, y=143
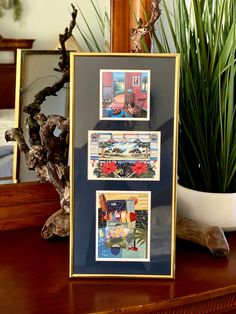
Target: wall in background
x=43, y=21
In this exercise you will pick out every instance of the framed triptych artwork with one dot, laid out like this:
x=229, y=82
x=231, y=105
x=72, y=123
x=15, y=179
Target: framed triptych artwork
x=123, y=141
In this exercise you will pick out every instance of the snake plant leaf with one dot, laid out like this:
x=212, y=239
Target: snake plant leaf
x=87, y=33
x=204, y=33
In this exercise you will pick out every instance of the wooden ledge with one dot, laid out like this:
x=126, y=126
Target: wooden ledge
x=13, y=44
x=26, y=204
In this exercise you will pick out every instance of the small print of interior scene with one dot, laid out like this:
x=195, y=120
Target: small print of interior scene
x=124, y=94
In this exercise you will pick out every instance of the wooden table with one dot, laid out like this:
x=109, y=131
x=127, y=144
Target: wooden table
x=34, y=279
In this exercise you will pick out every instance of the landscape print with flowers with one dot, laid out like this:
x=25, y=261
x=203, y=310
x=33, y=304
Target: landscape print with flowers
x=119, y=155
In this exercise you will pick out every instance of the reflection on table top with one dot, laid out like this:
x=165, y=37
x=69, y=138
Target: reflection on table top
x=34, y=279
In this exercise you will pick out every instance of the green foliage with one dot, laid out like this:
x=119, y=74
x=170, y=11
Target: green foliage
x=141, y=235
x=87, y=34
x=205, y=36
x=119, y=89
x=17, y=9
x=141, y=230
x=142, y=219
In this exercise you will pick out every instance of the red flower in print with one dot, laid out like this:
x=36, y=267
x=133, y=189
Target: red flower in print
x=109, y=167
x=139, y=168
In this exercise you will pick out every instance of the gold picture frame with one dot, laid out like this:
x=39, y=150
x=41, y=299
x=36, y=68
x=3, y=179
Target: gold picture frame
x=35, y=71
x=106, y=220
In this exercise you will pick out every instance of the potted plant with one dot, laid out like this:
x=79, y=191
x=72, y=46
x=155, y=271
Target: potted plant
x=204, y=33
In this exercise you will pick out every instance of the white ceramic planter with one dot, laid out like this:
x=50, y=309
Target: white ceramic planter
x=213, y=209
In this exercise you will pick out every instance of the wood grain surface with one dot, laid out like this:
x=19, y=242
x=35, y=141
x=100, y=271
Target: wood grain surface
x=123, y=20
x=34, y=280
x=26, y=204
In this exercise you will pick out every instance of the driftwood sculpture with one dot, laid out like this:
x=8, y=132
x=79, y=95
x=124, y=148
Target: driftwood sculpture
x=211, y=237
x=47, y=154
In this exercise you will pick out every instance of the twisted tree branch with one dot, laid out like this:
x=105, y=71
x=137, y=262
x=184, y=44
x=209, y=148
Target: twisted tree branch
x=137, y=34
x=47, y=154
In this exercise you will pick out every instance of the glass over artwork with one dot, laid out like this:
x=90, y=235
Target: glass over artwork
x=123, y=164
